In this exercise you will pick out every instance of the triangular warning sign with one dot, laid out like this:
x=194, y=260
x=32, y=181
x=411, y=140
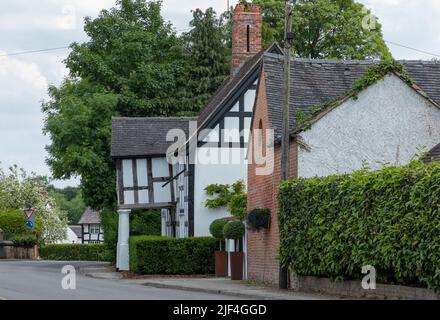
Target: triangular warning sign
x=29, y=213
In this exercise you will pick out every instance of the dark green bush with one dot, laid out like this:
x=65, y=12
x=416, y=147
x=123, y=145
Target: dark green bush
x=24, y=240
x=258, y=219
x=160, y=255
x=145, y=223
x=109, y=222
x=216, y=228
x=234, y=230
x=390, y=219
x=74, y=252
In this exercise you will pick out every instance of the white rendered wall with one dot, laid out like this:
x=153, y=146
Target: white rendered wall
x=210, y=173
x=387, y=123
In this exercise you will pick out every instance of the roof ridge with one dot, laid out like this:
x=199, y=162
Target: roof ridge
x=321, y=61
x=153, y=118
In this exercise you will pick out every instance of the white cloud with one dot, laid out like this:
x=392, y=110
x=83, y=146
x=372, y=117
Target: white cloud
x=29, y=25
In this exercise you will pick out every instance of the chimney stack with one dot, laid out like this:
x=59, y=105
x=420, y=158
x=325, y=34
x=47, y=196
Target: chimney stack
x=246, y=35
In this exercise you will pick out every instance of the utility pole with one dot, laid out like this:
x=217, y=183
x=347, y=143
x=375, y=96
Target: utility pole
x=285, y=135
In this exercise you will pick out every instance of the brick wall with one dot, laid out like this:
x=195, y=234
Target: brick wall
x=262, y=189
x=241, y=21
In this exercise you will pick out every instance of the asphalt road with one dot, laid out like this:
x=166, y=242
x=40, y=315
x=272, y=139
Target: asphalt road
x=41, y=280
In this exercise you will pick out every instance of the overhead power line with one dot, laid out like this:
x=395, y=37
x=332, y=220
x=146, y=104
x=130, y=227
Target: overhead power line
x=414, y=49
x=182, y=30
x=32, y=51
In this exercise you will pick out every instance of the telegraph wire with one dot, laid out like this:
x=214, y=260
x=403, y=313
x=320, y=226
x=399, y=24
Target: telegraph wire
x=32, y=51
x=182, y=30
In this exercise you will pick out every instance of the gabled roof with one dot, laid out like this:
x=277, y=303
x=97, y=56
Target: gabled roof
x=316, y=82
x=90, y=217
x=433, y=154
x=226, y=91
x=76, y=230
x=139, y=137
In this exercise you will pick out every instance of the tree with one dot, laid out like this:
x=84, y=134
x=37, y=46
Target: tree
x=133, y=65
x=69, y=200
x=18, y=190
x=208, y=56
x=326, y=29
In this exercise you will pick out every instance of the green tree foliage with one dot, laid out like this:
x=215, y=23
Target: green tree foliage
x=133, y=65
x=326, y=29
x=389, y=219
x=69, y=200
x=208, y=57
x=20, y=191
x=145, y=223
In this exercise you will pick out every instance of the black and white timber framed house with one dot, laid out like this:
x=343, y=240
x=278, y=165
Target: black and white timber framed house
x=146, y=180
x=91, y=229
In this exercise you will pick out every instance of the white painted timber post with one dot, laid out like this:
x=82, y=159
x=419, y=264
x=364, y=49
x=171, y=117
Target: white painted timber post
x=122, y=261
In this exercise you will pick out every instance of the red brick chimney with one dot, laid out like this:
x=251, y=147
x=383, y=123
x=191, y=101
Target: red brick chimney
x=246, y=34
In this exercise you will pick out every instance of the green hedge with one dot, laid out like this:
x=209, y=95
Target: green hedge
x=74, y=252
x=13, y=223
x=159, y=255
x=389, y=219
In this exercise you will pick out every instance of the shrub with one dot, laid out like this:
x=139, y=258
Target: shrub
x=258, y=219
x=13, y=222
x=146, y=223
x=109, y=222
x=331, y=227
x=234, y=230
x=74, y=252
x=24, y=241
x=216, y=228
x=160, y=255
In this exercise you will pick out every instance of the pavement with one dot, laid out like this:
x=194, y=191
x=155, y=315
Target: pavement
x=220, y=286
x=233, y=288
x=42, y=280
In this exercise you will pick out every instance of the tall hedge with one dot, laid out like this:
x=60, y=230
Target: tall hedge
x=389, y=219
x=74, y=252
x=13, y=222
x=160, y=255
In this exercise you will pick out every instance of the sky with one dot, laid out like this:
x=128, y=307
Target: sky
x=33, y=25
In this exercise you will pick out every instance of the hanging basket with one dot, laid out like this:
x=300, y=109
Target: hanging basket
x=258, y=219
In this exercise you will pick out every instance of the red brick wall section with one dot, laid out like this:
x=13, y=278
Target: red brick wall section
x=263, y=246
x=241, y=20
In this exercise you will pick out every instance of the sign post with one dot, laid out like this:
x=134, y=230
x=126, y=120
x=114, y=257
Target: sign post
x=30, y=218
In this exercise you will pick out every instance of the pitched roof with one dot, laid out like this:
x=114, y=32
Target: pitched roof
x=90, y=217
x=317, y=82
x=433, y=154
x=227, y=89
x=77, y=230
x=133, y=137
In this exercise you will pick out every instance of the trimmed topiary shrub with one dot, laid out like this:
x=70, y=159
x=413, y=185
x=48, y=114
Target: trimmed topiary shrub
x=258, y=219
x=234, y=230
x=160, y=255
x=74, y=252
x=216, y=228
x=389, y=219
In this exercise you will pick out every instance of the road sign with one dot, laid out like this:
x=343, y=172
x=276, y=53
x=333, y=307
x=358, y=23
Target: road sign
x=29, y=214
x=30, y=224
x=30, y=218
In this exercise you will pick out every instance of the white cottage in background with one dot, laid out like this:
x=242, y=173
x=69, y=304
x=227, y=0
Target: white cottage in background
x=220, y=133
